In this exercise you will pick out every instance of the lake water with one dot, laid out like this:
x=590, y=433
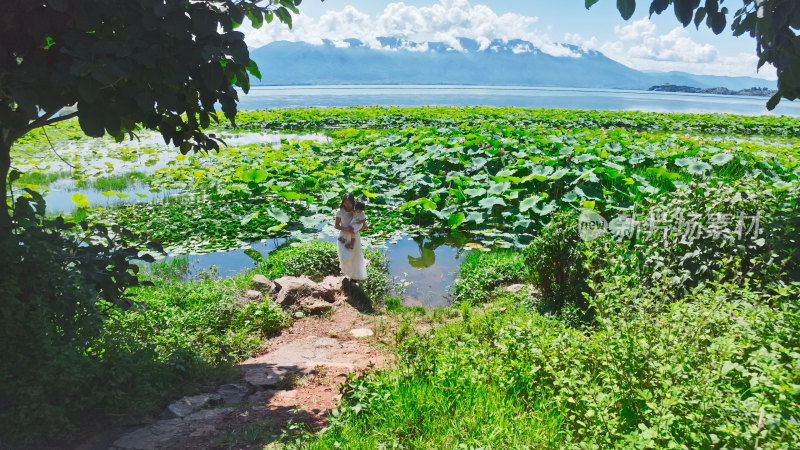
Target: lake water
x=526, y=97
x=422, y=269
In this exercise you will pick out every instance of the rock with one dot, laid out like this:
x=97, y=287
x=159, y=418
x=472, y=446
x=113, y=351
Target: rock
x=287, y=291
x=325, y=342
x=253, y=295
x=361, y=332
x=171, y=433
x=207, y=414
x=153, y=436
x=188, y=405
x=329, y=287
x=231, y=393
x=315, y=306
x=515, y=288
x=264, y=375
x=261, y=282
x=261, y=396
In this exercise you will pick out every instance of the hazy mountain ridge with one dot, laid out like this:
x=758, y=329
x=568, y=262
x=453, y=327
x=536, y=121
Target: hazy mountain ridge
x=502, y=63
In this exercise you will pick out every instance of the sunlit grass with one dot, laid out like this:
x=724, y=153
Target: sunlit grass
x=41, y=178
x=116, y=182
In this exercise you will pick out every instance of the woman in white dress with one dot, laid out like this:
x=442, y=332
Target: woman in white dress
x=352, y=260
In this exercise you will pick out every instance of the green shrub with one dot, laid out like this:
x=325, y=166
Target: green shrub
x=265, y=317
x=482, y=272
x=377, y=284
x=315, y=259
x=718, y=371
x=557, y=262
x=51, y=287
x=710, y=236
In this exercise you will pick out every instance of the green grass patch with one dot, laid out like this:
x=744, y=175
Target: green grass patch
x=41, y=178
x=482, y=272
x=116, y=182
x=714, y=372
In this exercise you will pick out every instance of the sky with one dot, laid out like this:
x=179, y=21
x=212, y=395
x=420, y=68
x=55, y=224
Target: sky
x=657, y=43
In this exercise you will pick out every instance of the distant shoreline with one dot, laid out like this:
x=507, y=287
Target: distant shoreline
x=668, y=88
x=751, y=92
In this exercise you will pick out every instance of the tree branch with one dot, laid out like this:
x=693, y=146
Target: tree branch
x=59, y=119
x=40, y=120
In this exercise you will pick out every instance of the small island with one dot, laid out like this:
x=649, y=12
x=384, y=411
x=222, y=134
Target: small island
x=753, y=91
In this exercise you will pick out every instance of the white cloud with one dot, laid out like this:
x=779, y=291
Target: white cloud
x=640, y=45
x=445, y=21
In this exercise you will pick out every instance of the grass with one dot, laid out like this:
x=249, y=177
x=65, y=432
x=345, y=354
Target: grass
x=482, y=272
x=659, y=377
x=453, y=402
x=42, y=178
x=117, y=182
x=187, y=333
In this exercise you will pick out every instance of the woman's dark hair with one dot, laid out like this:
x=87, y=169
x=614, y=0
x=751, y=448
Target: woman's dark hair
x=348, y=197
x=360, y=205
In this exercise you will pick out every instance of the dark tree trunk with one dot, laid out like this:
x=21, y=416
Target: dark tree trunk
x=8, y=245
x=5, y=165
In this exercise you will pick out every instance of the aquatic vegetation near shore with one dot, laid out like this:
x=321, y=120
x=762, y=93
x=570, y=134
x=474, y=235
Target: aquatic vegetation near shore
x=494, y=174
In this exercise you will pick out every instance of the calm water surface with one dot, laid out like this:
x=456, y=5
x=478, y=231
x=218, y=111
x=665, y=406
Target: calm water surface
x=526, y=97
x=426, y=268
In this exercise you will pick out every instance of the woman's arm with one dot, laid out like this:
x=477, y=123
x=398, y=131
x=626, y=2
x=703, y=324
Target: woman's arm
x=338, y=225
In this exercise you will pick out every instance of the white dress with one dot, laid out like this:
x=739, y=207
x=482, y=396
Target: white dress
x=351, y=261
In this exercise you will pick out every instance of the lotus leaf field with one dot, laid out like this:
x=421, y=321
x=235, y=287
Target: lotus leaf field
x=488, y=175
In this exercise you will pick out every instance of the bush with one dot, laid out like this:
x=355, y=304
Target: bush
x=710, y=236
x=482, y=272
x=265, y=318
x=377, y=284
x=557, y=261
x=314, y=259
x=56, y=287
x=719, y=371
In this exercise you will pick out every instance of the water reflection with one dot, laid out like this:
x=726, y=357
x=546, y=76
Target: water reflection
x=424, y=268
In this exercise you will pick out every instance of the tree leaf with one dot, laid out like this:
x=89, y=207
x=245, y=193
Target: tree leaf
x=658, y=6
x=626, y=8
x=684, y=10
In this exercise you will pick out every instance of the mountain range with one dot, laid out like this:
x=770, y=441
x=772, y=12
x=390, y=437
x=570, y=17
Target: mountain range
x=502, y=63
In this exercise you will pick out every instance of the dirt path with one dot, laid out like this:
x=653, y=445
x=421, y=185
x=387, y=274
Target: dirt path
x=297, y=380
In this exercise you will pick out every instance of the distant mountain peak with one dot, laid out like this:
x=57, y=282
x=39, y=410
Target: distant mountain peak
x=514, y=62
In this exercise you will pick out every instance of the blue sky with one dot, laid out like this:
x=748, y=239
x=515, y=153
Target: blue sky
x=641, y=43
